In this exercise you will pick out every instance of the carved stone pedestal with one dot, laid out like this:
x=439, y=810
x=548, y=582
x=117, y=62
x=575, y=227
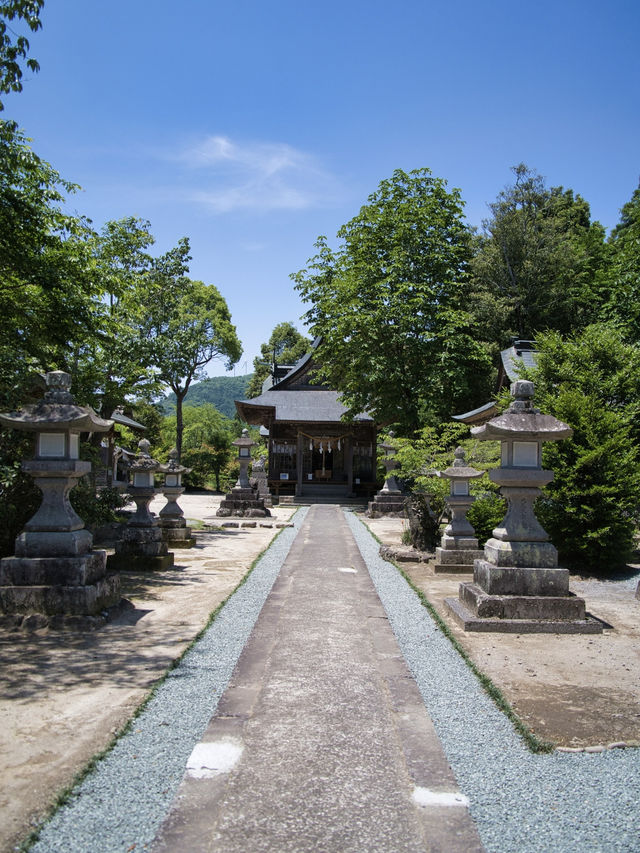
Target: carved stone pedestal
x=176, y=533
x=172, y=521
x=387, y=503
x=518, y=586
x=55, y=579
x=142, y=547
x=244, y=503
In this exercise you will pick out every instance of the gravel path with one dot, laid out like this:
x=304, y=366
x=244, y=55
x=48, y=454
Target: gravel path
x=120, y=806
x=520, y=801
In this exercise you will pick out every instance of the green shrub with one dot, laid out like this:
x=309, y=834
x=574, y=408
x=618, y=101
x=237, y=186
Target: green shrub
x=96, y=508
x=485, y=514
x=591, y=508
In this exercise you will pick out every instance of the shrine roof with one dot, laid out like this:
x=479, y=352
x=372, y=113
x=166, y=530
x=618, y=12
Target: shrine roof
x=317, y=406
x=521, y=354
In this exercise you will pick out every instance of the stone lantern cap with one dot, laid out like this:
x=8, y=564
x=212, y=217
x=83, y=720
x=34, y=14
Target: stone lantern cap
x=522, y=421
x=244, y=441
x=459, y=470
x=143, y=461
x=56, y=411
x=173, y=466
x=389, y=449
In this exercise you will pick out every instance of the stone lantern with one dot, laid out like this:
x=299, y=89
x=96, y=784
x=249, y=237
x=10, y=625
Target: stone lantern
x=142, y=547
x=458, y=546
x=172, y=520
x=389, y=500
x=518, y=586
x=243, y=500
x=55, y=573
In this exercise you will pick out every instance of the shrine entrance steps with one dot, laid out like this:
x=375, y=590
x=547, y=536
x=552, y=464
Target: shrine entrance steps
x=327, y=493
x=322, y=735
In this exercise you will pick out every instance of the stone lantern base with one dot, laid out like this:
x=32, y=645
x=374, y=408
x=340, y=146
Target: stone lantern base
x=457, y=560
x=243, y=502
x=387, y=503
x=141, y=549
x=176, y=533
x=514, y=599
x=57, y=592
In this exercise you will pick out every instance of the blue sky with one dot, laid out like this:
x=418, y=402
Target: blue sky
x=252, y=127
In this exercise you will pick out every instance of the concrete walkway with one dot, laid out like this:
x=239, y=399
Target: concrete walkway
x=321, y=741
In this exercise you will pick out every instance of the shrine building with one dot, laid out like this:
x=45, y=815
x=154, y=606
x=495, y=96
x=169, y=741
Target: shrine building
x=312, y=452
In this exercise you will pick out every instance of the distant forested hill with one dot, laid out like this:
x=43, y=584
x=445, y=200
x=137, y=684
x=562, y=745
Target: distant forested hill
x=219, y=390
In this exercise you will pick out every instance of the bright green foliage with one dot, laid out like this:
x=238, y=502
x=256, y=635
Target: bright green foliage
x=388, y=306
x=540, y=262
x=624, y=304
x=116, y=360
x=46, y=292
x=220, y=391
x=597, y=361
x=285, y=346
x=15, y=47
x=206, y=443
x=431, y=450
x=485, y=514
x=188, y=328
x=592, y=507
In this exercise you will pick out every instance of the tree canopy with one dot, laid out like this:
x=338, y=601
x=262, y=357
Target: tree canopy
x=539, y=264
x=14, y=47
x=624, y=299
x=286, y=345
x=388, y=305
x=188, y=328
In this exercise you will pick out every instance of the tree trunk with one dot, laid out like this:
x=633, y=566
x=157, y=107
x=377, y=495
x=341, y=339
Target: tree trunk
x=180, y=395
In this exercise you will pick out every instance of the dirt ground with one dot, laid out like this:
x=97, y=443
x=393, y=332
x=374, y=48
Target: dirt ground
x=63, y=696
x=574, y=690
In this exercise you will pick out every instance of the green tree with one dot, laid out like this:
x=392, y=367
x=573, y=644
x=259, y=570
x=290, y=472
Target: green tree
x=624, y=303
x=46, y=290
x=388, y=306
x=540, y=262
x=206, y=446
x=285, y=346
x=591, y=509
x=14, y=47
x=188, y=327
x=117, y=361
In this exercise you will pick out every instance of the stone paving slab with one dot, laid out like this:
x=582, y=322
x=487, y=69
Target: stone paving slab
x=321, y=741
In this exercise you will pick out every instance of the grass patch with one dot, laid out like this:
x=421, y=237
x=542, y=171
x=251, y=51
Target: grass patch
x=532, y=741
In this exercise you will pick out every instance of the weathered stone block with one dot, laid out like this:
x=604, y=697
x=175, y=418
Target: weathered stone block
x=71, y=543
x=65, y=571
x=564, y=608
x=50, y=600
x=502, y=553
x=500, y=580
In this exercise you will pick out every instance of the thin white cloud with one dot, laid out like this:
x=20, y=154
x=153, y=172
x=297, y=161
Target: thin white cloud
x=259, y=176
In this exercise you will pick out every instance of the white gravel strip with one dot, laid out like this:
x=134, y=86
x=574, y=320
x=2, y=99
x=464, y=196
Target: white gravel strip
x=119, y=807
x=522, y=803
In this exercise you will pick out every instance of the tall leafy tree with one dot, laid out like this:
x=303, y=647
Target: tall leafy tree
x=388, y=305
x=118, y=359
x=541, y=263
x=286, y=345
x=14, y=46
x=624, y=304
x=206, y=445
x=188, y=328
x=591, y=510
x=47, y=291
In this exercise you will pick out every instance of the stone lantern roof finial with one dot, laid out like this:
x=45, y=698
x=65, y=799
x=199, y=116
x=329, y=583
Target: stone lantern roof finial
x=58, y=387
